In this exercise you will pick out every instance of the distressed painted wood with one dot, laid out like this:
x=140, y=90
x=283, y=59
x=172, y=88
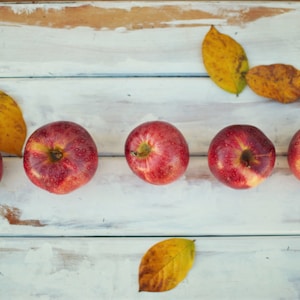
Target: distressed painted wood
x=100, y=268
x=110, y=65
x=118, y=203
x=157, y=37
x=111, y=107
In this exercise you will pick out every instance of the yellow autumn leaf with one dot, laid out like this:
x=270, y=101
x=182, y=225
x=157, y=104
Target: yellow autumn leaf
x=166, y=264
x=12, y=126
x=225, y=61
x=279, y=82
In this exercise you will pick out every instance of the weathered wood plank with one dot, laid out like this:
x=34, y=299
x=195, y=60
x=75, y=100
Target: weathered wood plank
x=224, y=268
x=117, y=203
x=103, y=45
x=112, y=37
x=109, y=108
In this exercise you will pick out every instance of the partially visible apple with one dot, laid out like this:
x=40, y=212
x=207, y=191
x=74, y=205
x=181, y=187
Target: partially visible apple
x=1, y=167
x=241, y=156
x=293, y=154
x=157, y=152
x=60, y=157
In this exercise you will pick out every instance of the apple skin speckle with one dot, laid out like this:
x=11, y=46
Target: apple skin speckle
x=60, y=157
x=293, y=154
x=241, y=156
x=157, y=152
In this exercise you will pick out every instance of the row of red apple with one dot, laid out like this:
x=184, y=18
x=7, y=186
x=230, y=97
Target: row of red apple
x=62, y=156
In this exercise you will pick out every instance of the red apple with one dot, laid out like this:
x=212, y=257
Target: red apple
x=293, y=155
x=60, y=157
x=1, y=167
x=157, y=152
x=241, y=156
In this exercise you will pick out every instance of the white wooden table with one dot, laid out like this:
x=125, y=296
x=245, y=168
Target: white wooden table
x=110, y=66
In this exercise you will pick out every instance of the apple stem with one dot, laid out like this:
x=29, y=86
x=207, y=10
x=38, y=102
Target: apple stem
x=143, y=151
x=55, y=155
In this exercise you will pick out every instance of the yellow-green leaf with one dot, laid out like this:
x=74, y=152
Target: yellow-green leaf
x=12, y=126
x=166, y=264
x=277, y=81
x=225, y=61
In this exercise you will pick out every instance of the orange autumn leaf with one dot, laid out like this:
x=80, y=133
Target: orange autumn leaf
x=225, y=61
x=277, y=81
x=12, y=126
x=166, y=264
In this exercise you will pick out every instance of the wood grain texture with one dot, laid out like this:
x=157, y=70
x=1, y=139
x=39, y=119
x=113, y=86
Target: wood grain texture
x=134, y=16
x=109, y=108
x=60, y=39
x=110, y=65
x=224, y=268
x=117, y=203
